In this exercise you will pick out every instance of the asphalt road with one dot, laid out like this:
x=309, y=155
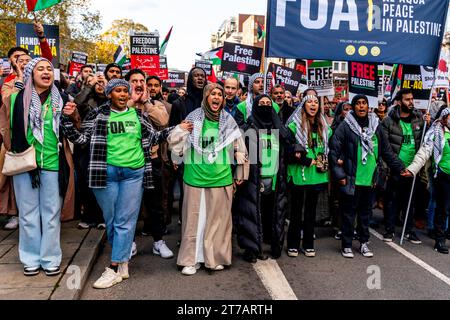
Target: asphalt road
x=406, y=273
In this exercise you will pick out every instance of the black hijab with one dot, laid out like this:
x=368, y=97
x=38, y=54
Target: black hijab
x=363, y=122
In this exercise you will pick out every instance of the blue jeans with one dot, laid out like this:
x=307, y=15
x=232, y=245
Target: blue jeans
x=39, y=220
x=121, y=202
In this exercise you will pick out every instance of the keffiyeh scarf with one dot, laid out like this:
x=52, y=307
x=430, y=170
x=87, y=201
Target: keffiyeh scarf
x=365, y=134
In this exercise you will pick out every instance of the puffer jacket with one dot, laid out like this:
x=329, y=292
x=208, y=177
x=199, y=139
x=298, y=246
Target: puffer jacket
x=393, y=130
x=344, y=146
x=247, y=203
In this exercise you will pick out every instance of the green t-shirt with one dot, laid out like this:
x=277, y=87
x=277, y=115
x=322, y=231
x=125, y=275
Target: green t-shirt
x=47, y=155
x=270, y=150
x=198, y=171
x=364, y=173
x=408, y=149
x=444, y=164
x=242, y=107
x=124, y=141
x=302, y=175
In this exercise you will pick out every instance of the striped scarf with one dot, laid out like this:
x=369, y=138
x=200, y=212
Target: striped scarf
x=436, y=137
x=302, y=134
x=365, y=134
x=228, y=132
x=33, y=105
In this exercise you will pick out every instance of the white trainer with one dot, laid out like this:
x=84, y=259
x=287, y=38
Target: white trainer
x=123, y=270
x=133, y=250
x=108, y=279
x=190, y=270
x=219, y=267
x=12, y=224
x=365, y=251
x=161, y=249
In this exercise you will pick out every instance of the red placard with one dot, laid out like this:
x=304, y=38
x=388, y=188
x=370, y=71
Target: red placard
x=147, y=63
x=75, y=68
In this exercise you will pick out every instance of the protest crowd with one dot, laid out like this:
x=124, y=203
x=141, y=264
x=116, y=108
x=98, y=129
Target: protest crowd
x=113, y=148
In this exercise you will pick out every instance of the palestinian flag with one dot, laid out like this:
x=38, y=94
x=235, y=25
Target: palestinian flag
x=261, y=32
x=119, y=56
x=35, y=5
x=214, y=55
x=165, y=42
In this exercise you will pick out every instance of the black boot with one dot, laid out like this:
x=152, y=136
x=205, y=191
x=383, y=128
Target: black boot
x=249, y=256
x=441, y=247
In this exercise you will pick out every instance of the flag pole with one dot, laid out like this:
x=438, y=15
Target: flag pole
x=265, y=57
x=421, y=142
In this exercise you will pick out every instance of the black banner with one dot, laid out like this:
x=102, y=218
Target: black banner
x=363, y=79
x=412, y=79
x=144, y=44
x=176, y=80
x=241, y=58
x=163, y=62
x=27, y=38
x=79, y=57
x=205, y=65
x=289, y=78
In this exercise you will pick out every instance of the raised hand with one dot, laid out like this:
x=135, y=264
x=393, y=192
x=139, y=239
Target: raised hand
x=69, y=108
x=39, y=29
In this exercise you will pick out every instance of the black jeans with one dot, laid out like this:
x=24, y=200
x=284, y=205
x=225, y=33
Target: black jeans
x=177, y=177
x=442, y=191
x=359, y=205
x=396, y=200
x=92, y=213
x=154, y=213
x=307, y=197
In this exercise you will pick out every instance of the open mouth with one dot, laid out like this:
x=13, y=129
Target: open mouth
x=46, y=78
x=139, y=89
x=122, y=100
x=215, y=105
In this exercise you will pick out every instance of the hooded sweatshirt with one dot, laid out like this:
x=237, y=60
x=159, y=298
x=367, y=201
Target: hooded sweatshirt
x=188, y=103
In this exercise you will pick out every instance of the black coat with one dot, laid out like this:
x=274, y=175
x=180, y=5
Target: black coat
x=393, y=130
x=248, y=203
x=344, y=145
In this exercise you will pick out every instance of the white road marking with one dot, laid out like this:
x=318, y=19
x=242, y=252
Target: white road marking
x=274, y=280
x=413, y=258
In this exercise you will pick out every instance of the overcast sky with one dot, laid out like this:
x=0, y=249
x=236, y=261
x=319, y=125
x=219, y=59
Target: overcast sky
x=193, y=21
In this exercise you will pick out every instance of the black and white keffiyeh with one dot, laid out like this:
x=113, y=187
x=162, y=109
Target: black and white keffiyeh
x=32, y=102
x=302, y=134
x=365, y=134
x=436, y=137
x=228, y=133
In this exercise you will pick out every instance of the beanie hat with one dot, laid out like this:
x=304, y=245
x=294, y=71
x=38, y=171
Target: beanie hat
x=114, y=83
x=252, y=79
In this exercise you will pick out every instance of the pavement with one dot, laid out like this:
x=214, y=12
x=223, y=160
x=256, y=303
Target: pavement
x=408, y=272
x=80, y=249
